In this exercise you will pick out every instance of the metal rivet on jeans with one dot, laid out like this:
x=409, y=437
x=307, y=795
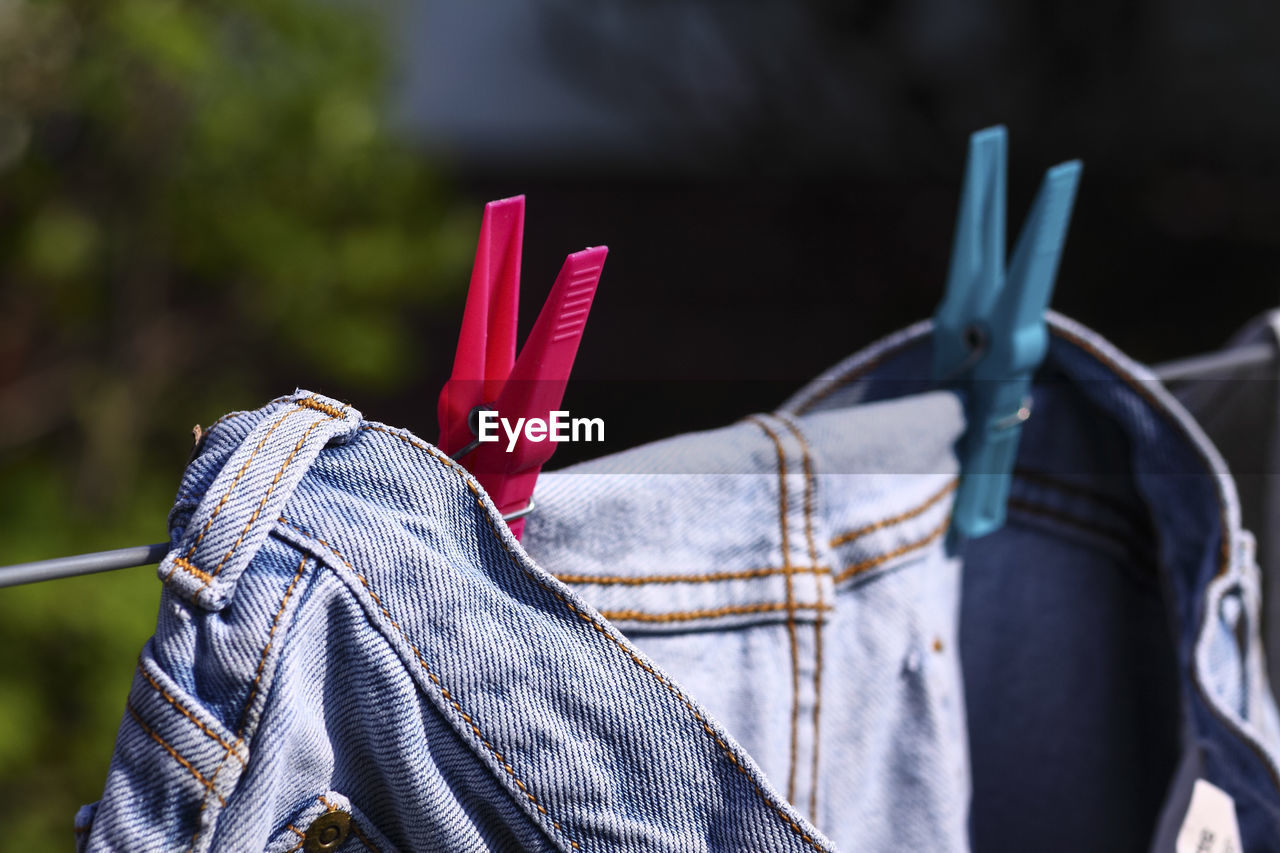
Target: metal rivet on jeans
x=327, y=832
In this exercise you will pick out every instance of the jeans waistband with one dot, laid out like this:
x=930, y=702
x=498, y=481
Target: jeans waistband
x=756, y=522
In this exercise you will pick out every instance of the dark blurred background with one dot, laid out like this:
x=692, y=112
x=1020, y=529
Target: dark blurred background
x=206, y=204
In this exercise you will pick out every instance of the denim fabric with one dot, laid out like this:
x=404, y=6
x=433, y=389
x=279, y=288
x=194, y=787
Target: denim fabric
x=793, y=574
x=348, y=626
x=1240, y=411
x=1109, y=632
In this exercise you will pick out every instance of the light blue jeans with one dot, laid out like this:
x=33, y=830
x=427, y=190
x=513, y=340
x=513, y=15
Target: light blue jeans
x=755, y=638
x=352, y=646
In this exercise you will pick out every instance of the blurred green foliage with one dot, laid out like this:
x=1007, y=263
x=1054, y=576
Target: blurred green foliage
x=200, y=202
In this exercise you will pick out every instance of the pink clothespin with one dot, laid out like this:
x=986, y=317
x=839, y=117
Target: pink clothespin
x=486, y=372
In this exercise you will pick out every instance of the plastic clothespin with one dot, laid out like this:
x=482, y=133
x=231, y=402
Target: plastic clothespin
x=989, y=331
x=486, y=371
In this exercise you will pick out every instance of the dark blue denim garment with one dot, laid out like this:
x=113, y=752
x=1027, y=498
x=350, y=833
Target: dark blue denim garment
x=1110, y=632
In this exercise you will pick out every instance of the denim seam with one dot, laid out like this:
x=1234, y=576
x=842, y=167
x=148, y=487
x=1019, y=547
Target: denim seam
x=844, y=574
x=1249, y=740
x=1224, y=546
x=186, y=713
x=709, y=577
x=267, y=495
x=444, y=692
x=713, y=613
x=810, y=485
x=207, y=578
x=599, y=629
x=333, y=413
x=857, y=533
x=355, y=826
x=191, y=568
x=208, y=784
x=368, y=845
x=871, y=562
x=302, y=838
x=1070, y=489
x=862, y=370
x=724, y=748
x=310, y=403
x=1066, y=519
x=242, y=723
x=785, y=522
x=1224, y=554
x=235, y=482
x=187, y=493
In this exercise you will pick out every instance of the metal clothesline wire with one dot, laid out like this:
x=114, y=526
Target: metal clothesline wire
x=1195, y=367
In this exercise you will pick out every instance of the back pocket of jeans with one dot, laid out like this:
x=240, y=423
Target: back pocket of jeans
x=174, y=767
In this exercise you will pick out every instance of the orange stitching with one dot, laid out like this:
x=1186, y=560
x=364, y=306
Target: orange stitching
x=845, y=538
x=355, y=827
x=872, y=562
x=809, y=483
x=426, y=668
x=174, y=702
x=186, y=565
x=274, y=482
x=208, y=785
x=313, y=403
x=731, y=610
x=368, y=845
x=596, y=626
x=253, y=689
x=745, y=574
x=271, y=633
x=791, y=614
x=809, y=486
x=235, y=482
x=302, y=838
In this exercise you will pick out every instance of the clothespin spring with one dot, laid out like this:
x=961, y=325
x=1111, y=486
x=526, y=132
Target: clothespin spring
x=473, y=423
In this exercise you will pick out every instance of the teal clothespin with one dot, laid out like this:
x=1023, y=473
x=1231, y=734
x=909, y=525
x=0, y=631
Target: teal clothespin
x=989, y=332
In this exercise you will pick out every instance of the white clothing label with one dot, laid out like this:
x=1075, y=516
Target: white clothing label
x=1210, y=825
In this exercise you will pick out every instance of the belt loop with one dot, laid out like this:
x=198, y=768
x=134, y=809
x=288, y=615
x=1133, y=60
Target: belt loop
x=240, y=508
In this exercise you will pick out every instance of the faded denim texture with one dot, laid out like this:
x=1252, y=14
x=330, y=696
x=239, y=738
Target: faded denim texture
x=348, y=624
x=792, y=572
x=753, y=638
